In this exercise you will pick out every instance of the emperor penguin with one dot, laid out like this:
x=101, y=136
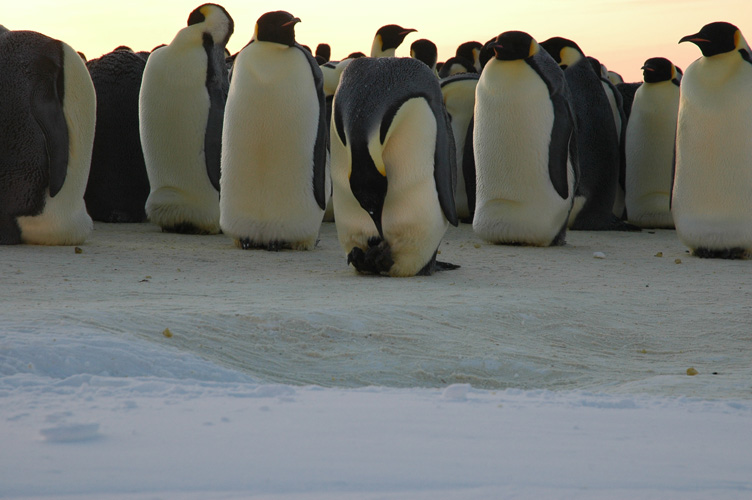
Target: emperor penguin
x=425, y=50
x=470, y=51
x=387, y=39
x=620, y=122
x=393, y=167
x=47, y=120
x=181, y=108
x=118, y=185
x=456, y=65
x=712, y=193
x=525, y=146
x=599, y=155
x=650, y=137
x=274, y=181
x=459, y=99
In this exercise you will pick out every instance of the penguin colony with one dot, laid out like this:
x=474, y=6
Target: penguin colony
x=520, y=138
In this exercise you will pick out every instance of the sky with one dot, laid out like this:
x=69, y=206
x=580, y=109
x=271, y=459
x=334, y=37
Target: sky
x=622, y=34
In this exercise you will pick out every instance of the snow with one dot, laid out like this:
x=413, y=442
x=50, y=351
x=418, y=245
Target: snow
x=526, y=373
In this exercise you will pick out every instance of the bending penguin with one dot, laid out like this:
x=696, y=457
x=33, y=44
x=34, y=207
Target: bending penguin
x=275, y=183
x=47, y=120
x=525, y=146
x=181, y=108
x=393, y=167
x=712, y=193
x=650, y=138
x=599, y=153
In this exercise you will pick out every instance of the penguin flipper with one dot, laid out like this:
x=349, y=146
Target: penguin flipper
x=445, y=163
x=468, y=169
x=322, y=133
x=216, y=87
x=47, y=110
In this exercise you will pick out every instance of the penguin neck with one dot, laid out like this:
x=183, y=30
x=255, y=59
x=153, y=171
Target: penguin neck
x=719, y=69
x=376, y=50
x=191, y=35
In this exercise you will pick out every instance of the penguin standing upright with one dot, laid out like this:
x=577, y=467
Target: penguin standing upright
x=459, y=100
x=599, y=155
x=47, y=120
x=616, y=102
x=525, y=150
x=393, y=166
x=387, y=39
x=650, y=137
x=181, y=107
x=274, y=176
x=712, y=193
x=118, y=184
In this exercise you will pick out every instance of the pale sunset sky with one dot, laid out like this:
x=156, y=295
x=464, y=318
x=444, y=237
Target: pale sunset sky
x=622, y=34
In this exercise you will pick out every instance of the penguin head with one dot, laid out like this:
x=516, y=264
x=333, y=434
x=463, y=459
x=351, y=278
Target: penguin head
x=514, y=45
x=658, y=69
x=277, y=27
x=323, y=53
x=392, y=35
x=564, y=51
x=425, y=51
x=471, y=52
x=716, y=38
x=215, y=21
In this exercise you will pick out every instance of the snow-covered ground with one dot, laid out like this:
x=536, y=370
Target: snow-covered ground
x=152, y=365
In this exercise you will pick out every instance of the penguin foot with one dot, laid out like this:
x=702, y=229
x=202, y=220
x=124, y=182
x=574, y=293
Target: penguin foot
x=185, y=228
x=612, y=223
x=725, y=253
x=436, y=265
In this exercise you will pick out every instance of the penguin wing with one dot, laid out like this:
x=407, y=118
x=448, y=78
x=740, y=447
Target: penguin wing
x=322, y=133
x=216, y=76
x=468, y=168
x=47, y=95
x=445, y=161
x=564, y=121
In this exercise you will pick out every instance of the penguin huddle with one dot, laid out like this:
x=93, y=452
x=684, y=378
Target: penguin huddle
x=523, y=139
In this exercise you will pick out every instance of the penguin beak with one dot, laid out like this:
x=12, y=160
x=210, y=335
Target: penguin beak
x=406, y=31
x=292, y=22
x=647, y=68
x=696, y=38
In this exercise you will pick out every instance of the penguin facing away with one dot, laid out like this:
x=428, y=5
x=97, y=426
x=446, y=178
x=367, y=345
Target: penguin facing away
x=393, y=167
x=525, y=149
x=599, y=155
x=387, y=39
x=118, y=185
x=711, y=203
x=181, y=108
x=456, y=65
x=425, y=50
x=274, y=181
x=47, y=120
x=459, y=100
x=649, y=144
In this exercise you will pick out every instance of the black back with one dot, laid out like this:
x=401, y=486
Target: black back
x=33, y=131
x=118, y=184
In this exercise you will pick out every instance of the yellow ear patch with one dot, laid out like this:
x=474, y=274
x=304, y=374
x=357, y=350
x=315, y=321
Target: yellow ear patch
x=737, y=38
x=534, y=48
x=204, y=10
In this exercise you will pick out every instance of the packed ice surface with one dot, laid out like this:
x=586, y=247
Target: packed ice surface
x=526, y=373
